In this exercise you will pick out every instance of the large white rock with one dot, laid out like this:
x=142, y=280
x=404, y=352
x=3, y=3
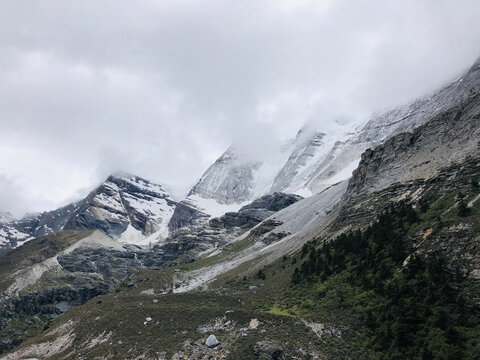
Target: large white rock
x=211, y=341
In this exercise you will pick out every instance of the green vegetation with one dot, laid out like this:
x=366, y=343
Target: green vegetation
x=261, y=275
x=407, y=306
x=385, y=292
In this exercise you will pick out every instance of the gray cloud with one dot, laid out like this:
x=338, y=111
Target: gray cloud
x=160, y=89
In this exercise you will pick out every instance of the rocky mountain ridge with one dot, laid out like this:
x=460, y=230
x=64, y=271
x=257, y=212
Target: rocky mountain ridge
x=318, y=158
x=245, y=286
x=15, y=232
x=48, y=275
x=449, y=136
x=127, y=208
x=241, y=263
x=306, y=166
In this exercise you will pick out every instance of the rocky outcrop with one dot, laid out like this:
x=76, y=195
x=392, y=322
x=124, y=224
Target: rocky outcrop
x=258, y=210
x=359, y=209
x=103, y=210
x=267, y=350
x=191, y=231
x=272, y=202
x=186, y=214
x=450, y=136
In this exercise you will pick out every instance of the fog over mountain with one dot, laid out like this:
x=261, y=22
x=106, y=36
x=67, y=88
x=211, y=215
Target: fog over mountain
x=161, y=89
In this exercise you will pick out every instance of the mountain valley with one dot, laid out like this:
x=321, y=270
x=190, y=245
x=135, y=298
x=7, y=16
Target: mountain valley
x=360, y=244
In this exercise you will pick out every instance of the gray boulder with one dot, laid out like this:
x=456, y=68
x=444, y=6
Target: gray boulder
x=268, y=350
x=211, y=341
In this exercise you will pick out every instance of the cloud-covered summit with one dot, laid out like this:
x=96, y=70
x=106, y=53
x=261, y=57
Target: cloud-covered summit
x=160, y=89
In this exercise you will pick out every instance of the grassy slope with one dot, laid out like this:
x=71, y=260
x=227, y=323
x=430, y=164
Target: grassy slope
x=177, y=317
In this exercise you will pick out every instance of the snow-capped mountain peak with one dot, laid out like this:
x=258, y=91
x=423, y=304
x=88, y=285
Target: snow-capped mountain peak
x=127, y=208
x=322, y=153
x=6, y=216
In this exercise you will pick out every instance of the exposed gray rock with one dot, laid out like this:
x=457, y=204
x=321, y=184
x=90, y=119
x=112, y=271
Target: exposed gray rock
x=450, y=136
x=186, y=214
x=192, y=233
x=211, y=341
x=268, y=349
x=122, y=201
x=258, y=210
x=118, y=202
x=246, y=219
x=272, y=202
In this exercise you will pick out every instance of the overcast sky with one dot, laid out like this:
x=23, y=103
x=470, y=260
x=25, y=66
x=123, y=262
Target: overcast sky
x=161, y=88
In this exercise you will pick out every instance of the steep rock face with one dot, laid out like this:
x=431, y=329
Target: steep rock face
x=193, y=232
x=297, y=166
x=407, y=117
x=250, y=215
x=233, y=179
x=272, y=202
x=186, y=214
x=437, y=198
x=229, y=180
x=450, y=136
x=127, y=208
x=317, y=161
x=345, y=154
x=103, y=209
x=319, y=158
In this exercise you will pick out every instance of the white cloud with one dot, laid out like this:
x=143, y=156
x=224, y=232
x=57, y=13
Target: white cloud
x=162, y=88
